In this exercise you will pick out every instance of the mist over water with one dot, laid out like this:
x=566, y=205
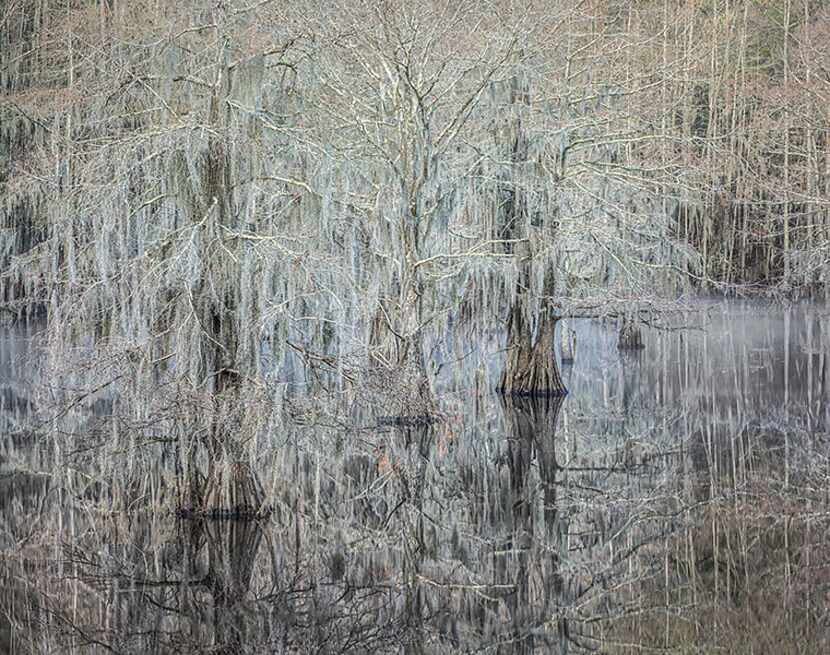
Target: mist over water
x=676, y=498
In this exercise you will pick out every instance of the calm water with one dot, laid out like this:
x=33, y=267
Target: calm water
x=676, y=500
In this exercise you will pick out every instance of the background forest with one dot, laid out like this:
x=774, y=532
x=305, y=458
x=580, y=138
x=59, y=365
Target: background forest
x=357, y=176
x=246, y=230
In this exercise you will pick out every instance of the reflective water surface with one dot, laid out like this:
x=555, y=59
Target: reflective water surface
x=677, y=500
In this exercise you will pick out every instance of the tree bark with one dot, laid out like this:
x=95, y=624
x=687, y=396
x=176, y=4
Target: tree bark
x=568, y=344
x=630, y=336
x=531, y=368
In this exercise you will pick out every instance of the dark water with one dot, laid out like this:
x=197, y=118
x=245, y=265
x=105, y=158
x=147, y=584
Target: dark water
x=676, y=500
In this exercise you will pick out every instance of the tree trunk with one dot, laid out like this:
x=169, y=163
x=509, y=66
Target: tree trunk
x=231, y=488
x=531, y=368
x=398, y=378
x=568, y=344
x=630, y=336
x=233, y=491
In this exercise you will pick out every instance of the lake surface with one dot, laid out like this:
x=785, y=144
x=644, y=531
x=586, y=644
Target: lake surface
x=676, y=500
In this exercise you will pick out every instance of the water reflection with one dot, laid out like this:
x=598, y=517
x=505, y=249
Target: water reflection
x=676, y=497
x=534, y=550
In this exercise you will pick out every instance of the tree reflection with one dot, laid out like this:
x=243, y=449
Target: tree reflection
x=630, y=515
x=533, y=553
x=232, y=547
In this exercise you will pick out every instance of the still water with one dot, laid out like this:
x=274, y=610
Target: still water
x=676, y=500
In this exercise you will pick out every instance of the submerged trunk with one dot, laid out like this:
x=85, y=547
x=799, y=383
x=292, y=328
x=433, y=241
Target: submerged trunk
x=568, y=343
x=397, y=376
x=233, y=491
x=531, y=368
x=630, y=336
x=232, y=488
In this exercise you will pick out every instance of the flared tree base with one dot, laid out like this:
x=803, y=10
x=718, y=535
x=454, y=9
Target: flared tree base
x=232, y=491
x=531, y=368
x=631, y=338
